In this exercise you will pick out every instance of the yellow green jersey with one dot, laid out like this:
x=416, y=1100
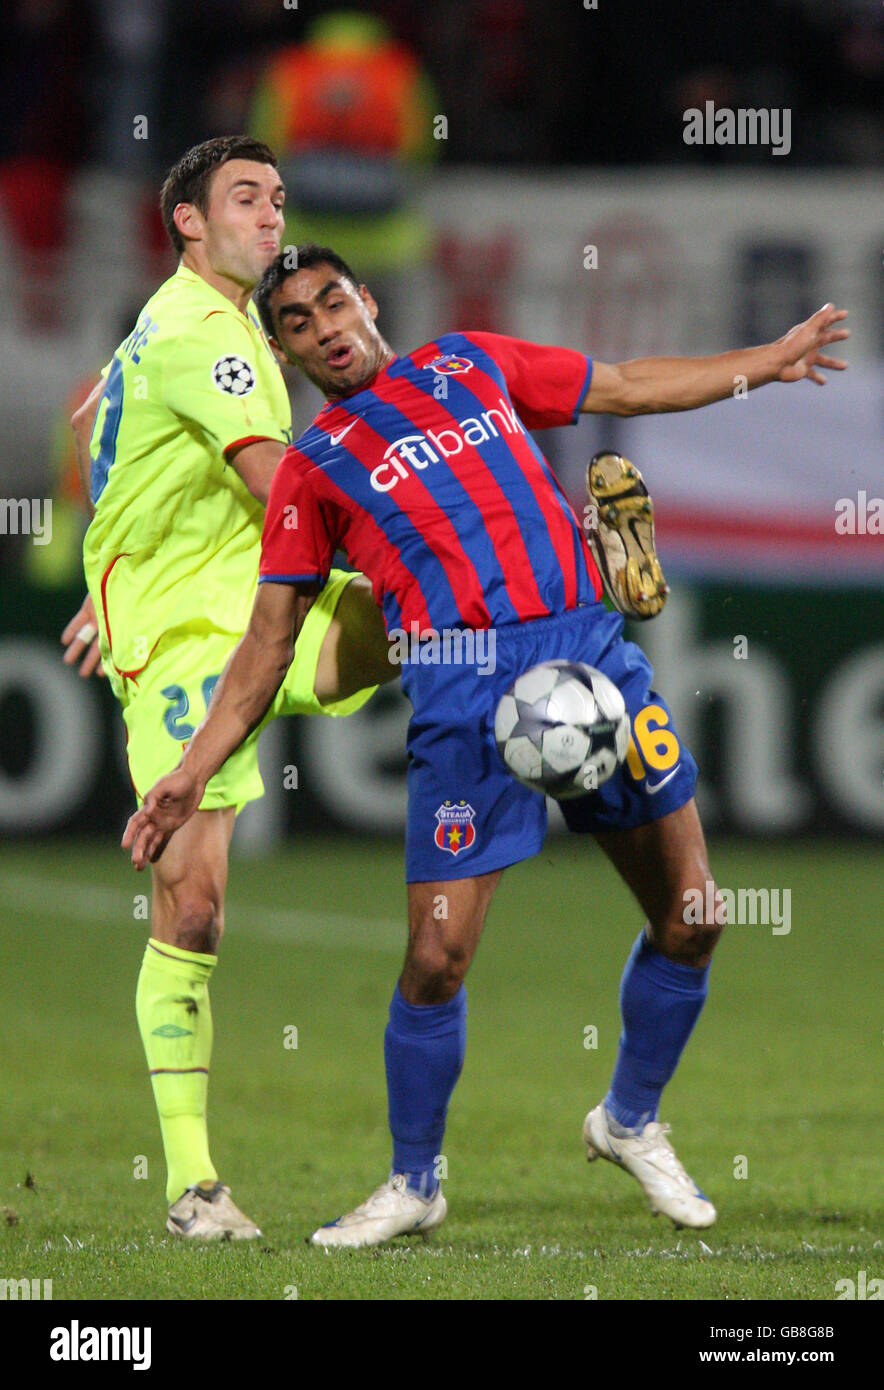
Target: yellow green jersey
x=172, y=551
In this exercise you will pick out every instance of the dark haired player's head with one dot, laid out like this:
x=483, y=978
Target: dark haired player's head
x=304, y=257
x=221, y=205
x=320, y=318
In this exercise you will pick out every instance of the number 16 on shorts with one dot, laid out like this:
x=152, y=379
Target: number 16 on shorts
x=654, y=750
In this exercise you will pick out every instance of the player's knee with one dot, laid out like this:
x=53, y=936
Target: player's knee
x=689, y=931
x=198, y=924
x=434, y=971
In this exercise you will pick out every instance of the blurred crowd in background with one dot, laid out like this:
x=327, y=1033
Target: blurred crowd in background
x=522, y=81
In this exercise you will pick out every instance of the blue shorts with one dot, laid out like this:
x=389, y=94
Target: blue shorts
x=466, y=814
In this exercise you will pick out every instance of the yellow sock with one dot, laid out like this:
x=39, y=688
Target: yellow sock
x=175, y=1021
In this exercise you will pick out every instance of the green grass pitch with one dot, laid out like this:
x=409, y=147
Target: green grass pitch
x=781, y=1081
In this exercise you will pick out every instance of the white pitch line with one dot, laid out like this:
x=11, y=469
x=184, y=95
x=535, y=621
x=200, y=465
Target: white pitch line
x=22, y=895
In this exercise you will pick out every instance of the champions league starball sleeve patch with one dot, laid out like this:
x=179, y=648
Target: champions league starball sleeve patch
x=233, y=375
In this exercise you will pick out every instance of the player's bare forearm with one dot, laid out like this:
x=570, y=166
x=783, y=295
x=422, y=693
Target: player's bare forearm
x=651, y=385
x=648, y=385
x=80, y=635
x=82, y=423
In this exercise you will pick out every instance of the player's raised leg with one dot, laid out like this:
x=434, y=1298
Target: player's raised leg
x=354, y=655
x=424, y=1048
x=662, y=992
x=175, y=1021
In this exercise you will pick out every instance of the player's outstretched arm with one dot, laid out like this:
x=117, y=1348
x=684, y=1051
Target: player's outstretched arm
x=240, y=700
x=647, y=385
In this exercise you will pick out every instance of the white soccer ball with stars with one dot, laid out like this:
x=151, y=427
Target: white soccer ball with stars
x=562, y=728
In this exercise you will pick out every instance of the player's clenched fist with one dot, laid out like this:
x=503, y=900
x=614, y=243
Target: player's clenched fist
x=167, y=806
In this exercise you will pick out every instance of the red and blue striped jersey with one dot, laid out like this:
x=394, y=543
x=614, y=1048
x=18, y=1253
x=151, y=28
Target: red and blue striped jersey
x=429, y=481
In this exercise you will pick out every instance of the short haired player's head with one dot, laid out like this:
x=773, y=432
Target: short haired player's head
x=320, y=318
x=221, y=205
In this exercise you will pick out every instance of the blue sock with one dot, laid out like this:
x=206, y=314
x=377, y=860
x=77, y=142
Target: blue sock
x=424, y=1047
x=660, y=1001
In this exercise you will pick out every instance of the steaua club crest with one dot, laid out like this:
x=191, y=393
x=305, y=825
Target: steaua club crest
x=448, y=365
x=455, y=826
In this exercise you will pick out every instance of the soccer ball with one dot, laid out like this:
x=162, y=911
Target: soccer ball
x=562, y=728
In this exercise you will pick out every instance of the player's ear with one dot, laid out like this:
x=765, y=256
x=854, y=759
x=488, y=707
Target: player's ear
x=189, y=221
x=277, y=351
x=368, y=300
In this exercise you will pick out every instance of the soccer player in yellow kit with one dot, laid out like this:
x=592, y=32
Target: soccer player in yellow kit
x=192, y=418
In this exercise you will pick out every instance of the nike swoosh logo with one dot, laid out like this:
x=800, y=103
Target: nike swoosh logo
x=336, y=438
x=658, y=786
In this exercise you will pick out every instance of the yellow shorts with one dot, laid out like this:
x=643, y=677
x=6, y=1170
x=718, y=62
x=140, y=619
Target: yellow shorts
x=169, y=701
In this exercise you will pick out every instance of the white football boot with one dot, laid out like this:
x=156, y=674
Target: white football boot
x=651, y=1159
x=206, y=1212
x=393, y=1210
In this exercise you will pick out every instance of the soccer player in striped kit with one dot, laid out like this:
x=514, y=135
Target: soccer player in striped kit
x=422, y=469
